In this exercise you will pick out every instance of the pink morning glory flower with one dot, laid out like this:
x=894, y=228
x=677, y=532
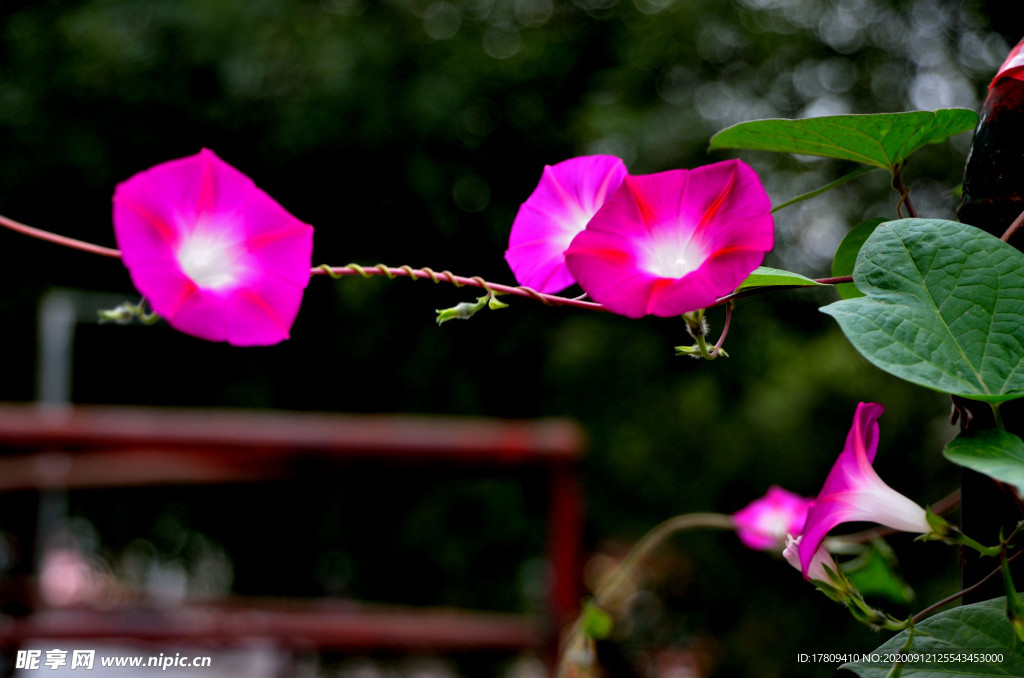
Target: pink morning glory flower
x=854, y=492
x=764, y=523
x=212, y=253
x=672, y=243
x=567, y=196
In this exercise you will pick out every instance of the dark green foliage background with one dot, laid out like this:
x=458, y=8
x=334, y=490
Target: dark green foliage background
x=406, y=148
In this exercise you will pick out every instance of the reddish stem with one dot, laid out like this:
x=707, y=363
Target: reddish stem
x=1013, y=228
x=457, y=280
x=59, y=239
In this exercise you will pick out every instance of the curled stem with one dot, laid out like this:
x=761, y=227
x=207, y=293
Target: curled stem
x=392, y=272
x=725, y=328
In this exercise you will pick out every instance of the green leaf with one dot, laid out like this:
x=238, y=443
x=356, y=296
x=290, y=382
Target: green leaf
x=996, y=453
x=774, y=277
x=943, y=308
x=874, y=573
x=972, y=640
x=846, y=255
x=881, y=140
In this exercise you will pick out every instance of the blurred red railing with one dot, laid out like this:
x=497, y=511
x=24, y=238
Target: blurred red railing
x=67, y=448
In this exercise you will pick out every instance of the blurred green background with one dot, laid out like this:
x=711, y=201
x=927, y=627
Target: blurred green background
x=408, y=132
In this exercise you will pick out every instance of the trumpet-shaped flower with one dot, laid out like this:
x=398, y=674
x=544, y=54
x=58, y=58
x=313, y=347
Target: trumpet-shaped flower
x=854, y=492
x=672, y=243
x=212, y=253
x=567, y=196
x=764, y=523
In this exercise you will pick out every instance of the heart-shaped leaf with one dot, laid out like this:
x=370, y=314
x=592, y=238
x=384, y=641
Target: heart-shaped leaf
x=881, y=139
x=944, y=308
x=972, y=640
x=997, y=453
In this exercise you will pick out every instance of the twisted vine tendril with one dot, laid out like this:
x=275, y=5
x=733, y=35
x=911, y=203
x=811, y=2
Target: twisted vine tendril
x=392, y=272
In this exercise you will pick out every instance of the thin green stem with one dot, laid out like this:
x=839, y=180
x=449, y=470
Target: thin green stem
x=997, y=416
x=653, y=539
x=828, y=187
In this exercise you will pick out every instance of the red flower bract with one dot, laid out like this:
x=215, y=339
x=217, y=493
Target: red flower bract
x=212, y=253
x=675, y=242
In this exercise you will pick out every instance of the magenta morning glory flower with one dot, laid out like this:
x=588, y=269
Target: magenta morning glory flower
x=854, y=492
x=567, y=196
x=672, y=243
x=212, y=253
x=764, y=523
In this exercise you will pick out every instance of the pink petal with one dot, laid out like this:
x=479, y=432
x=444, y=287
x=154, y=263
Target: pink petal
x=764, y=523
x=1013, y=66
x=212, y=253
x=567, y=196
x=670, y=243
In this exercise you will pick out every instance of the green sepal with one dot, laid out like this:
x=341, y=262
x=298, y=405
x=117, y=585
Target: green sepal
x=695, y=352
x=941, y=529
x=466, y=309
x=127, y=312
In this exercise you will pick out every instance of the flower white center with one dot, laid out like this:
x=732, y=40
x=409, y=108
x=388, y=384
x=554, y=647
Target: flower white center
x=211, y=261
x=672, y=260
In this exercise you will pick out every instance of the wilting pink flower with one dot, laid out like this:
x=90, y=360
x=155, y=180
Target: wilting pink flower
x=567, y=196
x=854, y=492
x=819, y=560
x=212, y=253
x=1013, y=67
x=764, y=523
x=671, y=243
